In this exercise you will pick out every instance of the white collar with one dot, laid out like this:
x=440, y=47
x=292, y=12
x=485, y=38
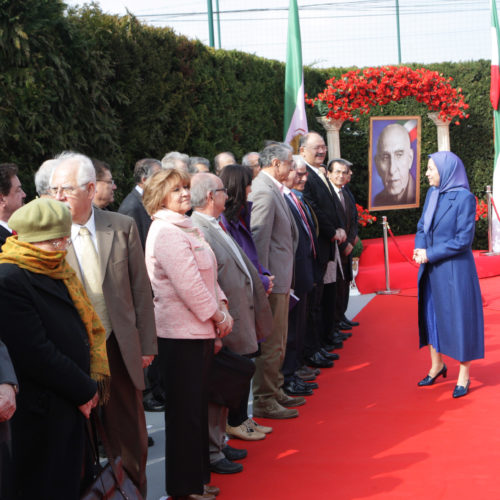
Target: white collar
x=90, y=225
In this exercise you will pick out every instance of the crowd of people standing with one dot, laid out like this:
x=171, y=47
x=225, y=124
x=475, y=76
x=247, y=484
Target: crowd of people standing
x=254, y=259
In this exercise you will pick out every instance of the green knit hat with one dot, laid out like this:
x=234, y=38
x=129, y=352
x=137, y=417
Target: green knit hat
x=41, y=220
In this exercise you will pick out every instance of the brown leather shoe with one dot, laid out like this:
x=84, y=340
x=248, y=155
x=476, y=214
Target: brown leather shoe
x=211, y=490
x=270, y=408
x=289, y=402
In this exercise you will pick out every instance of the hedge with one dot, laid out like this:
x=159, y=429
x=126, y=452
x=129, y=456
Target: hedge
x=118, y=90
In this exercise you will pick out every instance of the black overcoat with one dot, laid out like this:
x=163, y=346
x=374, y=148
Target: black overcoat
x=49, y=349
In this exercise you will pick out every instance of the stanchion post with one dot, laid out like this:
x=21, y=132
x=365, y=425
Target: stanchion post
x=388, y=290
x=490, y=251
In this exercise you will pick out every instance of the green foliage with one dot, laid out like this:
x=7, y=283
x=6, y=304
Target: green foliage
x=115, y=89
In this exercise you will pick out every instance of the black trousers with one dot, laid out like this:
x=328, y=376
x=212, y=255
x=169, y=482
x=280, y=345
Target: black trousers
x=185, y=366
x=342, y=299
x=329, y=308
x=297, y=320
x=312, y=340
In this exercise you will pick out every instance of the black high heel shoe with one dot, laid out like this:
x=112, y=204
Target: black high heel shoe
x=430, y=380
x=461, y=390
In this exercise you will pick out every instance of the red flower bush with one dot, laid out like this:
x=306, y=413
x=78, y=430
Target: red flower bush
x=356, y=92
x=364, y=217
x=481, y=209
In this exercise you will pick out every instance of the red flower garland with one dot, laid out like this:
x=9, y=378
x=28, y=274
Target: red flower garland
x=356, y=92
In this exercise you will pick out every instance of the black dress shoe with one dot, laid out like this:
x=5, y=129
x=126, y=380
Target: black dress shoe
x=334, y=341
x=430, y=380
x=310, y=385
x=342, y=335
x=318, y=361
x=328, y=347
x=225, y=466
x=152, y=404
x=331, y=356
x=344, y=326
x=350, y=322
x=293, y=388
x=234, y=453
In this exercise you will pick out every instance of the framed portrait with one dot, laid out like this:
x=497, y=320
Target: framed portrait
x=394, y=165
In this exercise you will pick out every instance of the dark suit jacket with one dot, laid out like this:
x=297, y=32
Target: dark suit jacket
x=322, y=201
x=48, y=345
x=126, y=287
x=7, y=376
x=348, y=220
x=133, y=207
x=304, y=258
x=4, y=234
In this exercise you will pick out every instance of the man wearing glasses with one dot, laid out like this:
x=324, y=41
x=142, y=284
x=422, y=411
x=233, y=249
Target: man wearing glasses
x=108, y=258
x=105, y=185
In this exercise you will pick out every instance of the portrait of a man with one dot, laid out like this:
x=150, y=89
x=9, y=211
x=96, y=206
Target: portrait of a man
x=394, y=162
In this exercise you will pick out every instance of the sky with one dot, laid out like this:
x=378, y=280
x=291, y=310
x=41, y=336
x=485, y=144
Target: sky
x=338, y=33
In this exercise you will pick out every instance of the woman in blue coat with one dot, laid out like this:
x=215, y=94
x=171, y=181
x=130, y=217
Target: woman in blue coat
x=450, y=311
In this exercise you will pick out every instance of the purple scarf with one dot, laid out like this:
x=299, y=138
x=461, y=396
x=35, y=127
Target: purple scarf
x=452, y=178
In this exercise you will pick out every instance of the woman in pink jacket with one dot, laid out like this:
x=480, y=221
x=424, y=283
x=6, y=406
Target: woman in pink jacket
x=191, y=312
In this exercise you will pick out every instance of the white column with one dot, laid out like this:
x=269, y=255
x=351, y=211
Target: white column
x=443, y=131
x=332, y=128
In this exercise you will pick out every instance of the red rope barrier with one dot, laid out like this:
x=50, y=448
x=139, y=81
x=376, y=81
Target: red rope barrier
x=494, y=207
x=399, y=249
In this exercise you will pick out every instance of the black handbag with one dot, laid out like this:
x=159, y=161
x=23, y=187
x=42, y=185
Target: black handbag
x=230, y=377
x=111, y=482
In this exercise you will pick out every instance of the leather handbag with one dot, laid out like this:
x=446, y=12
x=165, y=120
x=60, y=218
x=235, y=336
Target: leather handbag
x=230, y=377
x=111, y=482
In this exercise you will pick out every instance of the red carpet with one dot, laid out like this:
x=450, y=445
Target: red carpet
x=371, y=433
x=403, y=275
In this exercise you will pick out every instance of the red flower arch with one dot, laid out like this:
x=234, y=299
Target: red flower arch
x=356, y=92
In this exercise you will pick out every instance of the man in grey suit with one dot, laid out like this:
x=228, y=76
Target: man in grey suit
x=276, y=237
x=8, y=387
x=107, y=256
x=246, y=296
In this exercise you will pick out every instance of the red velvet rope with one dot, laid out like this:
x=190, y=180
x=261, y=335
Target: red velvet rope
x=494, y=207
x=399, y=249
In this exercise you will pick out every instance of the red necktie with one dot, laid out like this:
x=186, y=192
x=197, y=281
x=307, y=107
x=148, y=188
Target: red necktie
x=221, y=224
x=304, y=218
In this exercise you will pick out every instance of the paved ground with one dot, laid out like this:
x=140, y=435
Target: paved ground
x=156, y=425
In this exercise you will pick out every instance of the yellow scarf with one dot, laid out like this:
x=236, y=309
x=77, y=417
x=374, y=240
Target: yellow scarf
x=54, y=265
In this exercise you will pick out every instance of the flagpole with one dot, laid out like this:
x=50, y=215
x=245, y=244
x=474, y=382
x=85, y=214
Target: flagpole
x=295, y=120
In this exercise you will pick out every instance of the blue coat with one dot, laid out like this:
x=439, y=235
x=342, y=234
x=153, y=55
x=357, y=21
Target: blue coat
x=452, y=275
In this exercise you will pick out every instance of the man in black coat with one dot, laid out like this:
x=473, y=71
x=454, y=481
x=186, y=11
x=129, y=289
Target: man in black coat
x=338, y=173
x=319, y=193
x=304, y=280
x=8, y=388
x=132, y=203
x=11, y=197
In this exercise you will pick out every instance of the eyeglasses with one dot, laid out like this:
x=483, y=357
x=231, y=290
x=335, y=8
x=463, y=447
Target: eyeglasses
x=111, y=182
x=65, y=190
x=317, y=148
x=220, y=189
